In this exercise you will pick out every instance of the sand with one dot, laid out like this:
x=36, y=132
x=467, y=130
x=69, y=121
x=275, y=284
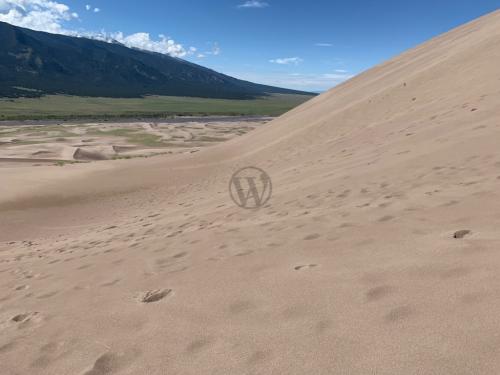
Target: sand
x=355, y=266
x=48, y=143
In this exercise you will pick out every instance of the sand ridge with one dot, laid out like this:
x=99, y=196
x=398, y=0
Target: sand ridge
x=359, y=264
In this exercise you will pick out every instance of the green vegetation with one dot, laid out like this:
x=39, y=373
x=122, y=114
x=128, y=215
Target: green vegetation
x=121, y=132
x=48, y=131
x=62, y=163
x=18, y=142
x=148, y=140
x=73, y=107
x=132, y=136
x=126, y=157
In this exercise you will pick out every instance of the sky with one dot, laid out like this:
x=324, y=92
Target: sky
x=307, y=45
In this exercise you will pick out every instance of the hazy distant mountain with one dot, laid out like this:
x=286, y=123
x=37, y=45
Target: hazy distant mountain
x=33, y=63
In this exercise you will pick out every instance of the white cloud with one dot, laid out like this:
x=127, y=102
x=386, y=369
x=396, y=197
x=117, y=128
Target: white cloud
x=144, y=41
x=297, y=81
x=287, y=61
x=253, y=4
x=51, y=16
x=90, y=9
x=213, y=51
x=43, y=15
x=323, y=45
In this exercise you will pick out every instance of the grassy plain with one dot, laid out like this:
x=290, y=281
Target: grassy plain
x=72, y=107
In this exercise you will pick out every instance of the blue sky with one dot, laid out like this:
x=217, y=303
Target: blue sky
x=309, y=45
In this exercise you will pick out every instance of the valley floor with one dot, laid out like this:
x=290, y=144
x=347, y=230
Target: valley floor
x=63, y=107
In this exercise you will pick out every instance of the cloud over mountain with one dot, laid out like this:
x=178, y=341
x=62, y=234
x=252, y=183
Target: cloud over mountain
x=42, y=15
x=51, y=16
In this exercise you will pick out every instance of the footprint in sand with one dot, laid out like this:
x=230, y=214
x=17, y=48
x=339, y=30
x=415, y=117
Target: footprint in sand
x=344, y=194
x=386, y=218
x=461, y=233
x=197, y=345
x=103, y=365
x=399, y=313
x=378, y=292
x=23, y=318
x=109, y=363
x=7, y=347
x=259, y=356
x=244, y=253
x=312, y=237
x=110, y=283
x=298, y=268
x=85, y=266
x=155, y=295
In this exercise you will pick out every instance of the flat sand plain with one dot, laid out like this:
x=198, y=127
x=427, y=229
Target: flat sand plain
x=355, y=266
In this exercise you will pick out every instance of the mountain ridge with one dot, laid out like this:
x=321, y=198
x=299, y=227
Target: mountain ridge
x=34, y=63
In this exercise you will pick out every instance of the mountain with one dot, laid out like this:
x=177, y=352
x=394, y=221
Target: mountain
x=33, y=63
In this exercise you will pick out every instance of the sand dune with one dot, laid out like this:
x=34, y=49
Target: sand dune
x=46, y=143
x=377, y=253
x=94, y=153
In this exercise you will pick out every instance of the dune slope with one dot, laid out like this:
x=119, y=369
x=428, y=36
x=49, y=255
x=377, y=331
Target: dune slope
x=353, y=267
